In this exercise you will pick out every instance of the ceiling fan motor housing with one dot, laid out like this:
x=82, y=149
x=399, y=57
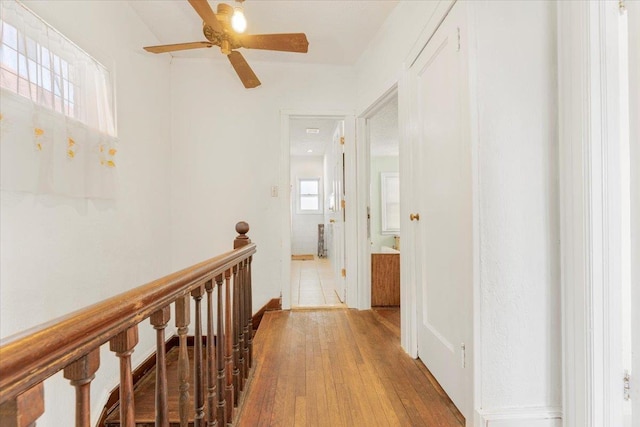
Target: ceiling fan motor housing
x=226, y=39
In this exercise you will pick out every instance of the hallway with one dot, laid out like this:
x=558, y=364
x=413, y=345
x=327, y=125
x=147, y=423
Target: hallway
x=339, y=368
x=313, y=284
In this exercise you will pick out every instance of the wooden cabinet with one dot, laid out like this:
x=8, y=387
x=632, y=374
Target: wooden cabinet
x=385, y=279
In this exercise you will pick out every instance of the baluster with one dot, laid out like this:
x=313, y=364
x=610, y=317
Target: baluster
x=211, y=369
x=25, y=409
x=123, y=345
x=198, y=398
x=249, y=311
x=182, y=323
x=81, y=373
x=238, y=359
x=228, y=335
x=222, y=414
x=245, y=326
x=160, y=320
x=245, y=279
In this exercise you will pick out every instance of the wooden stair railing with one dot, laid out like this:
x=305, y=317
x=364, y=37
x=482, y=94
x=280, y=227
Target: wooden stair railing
x=72, y=343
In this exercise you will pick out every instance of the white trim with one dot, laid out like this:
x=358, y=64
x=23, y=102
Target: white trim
x=474, y=129
x=590, y=200
x=408, y=259
x=633, y=11
x=364, y=248
x=433, y=23
x=285, y=206
x=351, y=216
x=516, y=417
x=285, y=201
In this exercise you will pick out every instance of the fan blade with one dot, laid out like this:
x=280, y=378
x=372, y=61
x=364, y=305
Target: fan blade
x=244, y=71
x=206, y=13
x=179, y=46
x=294, y=42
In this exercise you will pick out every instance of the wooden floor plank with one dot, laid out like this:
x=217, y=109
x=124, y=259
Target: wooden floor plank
x=301, y=411
x=339, y=368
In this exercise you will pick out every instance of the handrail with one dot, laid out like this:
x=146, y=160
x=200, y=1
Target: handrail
x=30, y=357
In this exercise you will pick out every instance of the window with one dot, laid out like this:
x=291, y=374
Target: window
x=57, y=120
x=309, y=195
x=31, y=70
x=40, y=64
x=390, y=202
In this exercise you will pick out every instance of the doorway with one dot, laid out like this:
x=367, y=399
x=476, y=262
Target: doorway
x=383, y=208
x=317, y=191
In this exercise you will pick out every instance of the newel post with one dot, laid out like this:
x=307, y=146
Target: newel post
x=242, y=228
x=242, y=240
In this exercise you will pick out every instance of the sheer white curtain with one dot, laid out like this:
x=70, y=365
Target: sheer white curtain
x=56, y=112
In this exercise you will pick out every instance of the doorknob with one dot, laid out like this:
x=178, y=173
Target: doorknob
x=414, y=217
x=332, y=221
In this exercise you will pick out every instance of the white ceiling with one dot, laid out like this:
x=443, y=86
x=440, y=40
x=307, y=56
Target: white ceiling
x=301, y=142
x=338, y=30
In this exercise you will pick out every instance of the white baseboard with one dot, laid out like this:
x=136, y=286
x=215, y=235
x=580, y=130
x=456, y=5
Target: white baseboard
x=547, y=416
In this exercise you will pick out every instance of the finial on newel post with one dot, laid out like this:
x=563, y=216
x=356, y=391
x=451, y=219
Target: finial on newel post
x=242, y=240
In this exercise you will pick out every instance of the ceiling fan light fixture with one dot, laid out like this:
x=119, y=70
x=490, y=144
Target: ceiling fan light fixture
x=238, y=20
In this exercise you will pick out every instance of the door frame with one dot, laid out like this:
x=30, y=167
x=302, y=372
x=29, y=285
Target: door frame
x=589, y=140
x=364, y=182
x=350, y=225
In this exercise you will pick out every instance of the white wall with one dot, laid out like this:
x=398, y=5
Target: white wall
x=226, y=156
x=380, y=164
x=304, y=226
x=59, y=254
x=517, y=143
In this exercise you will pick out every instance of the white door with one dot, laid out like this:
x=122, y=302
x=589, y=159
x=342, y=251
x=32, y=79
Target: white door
x=337, y=211
x=444, y=204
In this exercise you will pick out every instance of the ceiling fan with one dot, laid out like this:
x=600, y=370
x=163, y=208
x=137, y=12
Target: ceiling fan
x=218, y=30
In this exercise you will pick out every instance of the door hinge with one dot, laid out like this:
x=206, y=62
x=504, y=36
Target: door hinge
x=344, y=272
x=463, y=355
x=458, y=39
x=343, y=204
x=627, y=385
x=622, y=6
x=342, y=140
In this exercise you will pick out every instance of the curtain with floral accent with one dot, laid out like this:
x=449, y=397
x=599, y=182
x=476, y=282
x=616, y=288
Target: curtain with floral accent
x=57, y=127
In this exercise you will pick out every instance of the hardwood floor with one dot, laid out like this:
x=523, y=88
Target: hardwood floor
x=339, y=368
x=390, y=316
